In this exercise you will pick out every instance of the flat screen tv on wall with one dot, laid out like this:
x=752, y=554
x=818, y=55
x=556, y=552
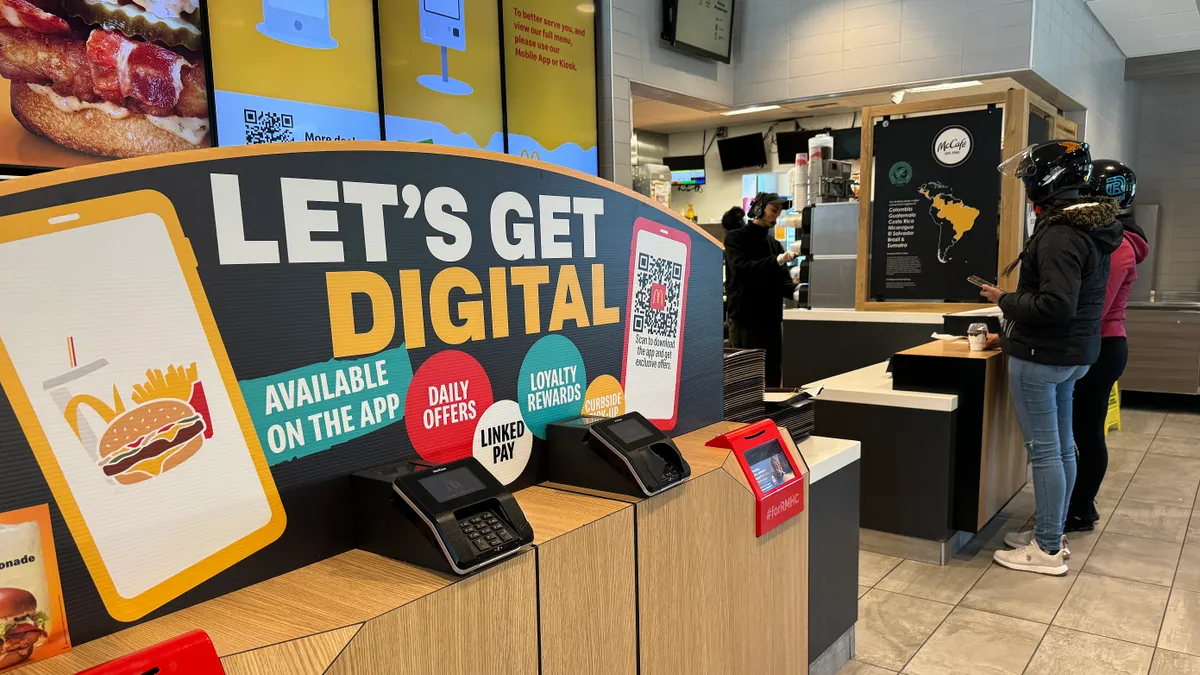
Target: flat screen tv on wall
x=741, y=152
x=701, y=28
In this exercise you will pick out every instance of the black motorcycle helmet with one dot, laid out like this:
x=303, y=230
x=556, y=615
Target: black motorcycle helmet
x=1051, y=168
x=1111, y=178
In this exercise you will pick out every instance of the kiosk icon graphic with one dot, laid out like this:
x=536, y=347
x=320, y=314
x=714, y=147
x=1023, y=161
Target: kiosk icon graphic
x=301, y=23
x=442, y=24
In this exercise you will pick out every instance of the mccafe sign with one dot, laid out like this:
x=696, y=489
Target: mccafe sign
x=952, y=146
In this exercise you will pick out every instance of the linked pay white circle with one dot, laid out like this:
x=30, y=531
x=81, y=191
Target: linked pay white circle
x=953, y=146
x=502, y=442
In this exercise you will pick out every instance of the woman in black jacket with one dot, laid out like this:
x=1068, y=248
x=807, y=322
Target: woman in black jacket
x=1052, y=331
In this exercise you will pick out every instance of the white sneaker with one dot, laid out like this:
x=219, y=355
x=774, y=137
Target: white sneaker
x=1032, y=558
x=1023, y=539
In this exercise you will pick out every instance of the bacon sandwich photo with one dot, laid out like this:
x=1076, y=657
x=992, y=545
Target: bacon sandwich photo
x=22, y=626
x=114, y=78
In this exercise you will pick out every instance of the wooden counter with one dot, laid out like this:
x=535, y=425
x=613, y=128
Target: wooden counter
x=724, y=600
x=677, y=583
x=587, y=590
x=361, y=614
x=990, y=459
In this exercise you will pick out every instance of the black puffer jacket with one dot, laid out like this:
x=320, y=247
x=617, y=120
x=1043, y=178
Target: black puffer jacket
x=1054, y=315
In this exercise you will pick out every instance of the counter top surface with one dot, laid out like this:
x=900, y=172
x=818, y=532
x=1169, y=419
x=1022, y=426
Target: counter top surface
x=850, y=315
x=1167, y=306
x=825, y=456
x=873, y=386
x=954, y=349
x=553, y=513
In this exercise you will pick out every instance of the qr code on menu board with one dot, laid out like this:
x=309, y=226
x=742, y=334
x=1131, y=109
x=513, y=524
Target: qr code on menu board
x=268, y=127
x=659, y=295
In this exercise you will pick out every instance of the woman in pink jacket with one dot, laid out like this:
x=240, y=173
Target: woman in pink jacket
x=1112, y=179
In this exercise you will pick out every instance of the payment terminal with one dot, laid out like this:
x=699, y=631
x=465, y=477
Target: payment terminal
x=626, y=455
x=462, y=515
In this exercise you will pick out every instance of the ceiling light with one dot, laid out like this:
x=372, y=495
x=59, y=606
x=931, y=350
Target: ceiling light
x=944, y=86
x=751, y=109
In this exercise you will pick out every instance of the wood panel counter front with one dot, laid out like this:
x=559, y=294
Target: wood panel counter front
x=361, y=614
x=990, y=459
x=712, y=597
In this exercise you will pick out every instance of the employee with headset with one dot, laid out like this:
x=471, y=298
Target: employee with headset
x=757, y=279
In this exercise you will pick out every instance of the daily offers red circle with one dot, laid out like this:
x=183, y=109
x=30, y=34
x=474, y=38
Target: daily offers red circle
x=447, y=395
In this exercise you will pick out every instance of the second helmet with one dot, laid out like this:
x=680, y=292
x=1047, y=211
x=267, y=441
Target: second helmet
x=1111, y=178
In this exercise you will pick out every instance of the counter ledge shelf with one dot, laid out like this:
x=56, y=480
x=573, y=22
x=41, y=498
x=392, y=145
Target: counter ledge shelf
x=941, y=448
x=362, y=614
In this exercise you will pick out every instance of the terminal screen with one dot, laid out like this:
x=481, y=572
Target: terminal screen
x=450, y=485
x=630, y=431
x=770, y=466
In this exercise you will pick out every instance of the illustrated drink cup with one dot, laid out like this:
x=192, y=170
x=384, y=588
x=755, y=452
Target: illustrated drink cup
x=62, y=389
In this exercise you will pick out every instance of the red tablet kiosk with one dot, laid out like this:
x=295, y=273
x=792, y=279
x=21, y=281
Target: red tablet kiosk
x=777, y=481
x=188, y=654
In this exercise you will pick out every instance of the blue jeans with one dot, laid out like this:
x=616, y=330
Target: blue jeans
x=1042, y=398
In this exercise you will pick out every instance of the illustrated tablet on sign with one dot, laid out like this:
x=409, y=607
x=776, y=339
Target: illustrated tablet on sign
x=113, y=363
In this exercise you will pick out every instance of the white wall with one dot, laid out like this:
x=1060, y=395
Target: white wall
x=1073, y=52
x=631, y=50
x=802, y=48
x=1168, y=170
x=724, y=188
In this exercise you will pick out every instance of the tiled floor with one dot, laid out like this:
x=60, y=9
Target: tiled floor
x=1129, y=606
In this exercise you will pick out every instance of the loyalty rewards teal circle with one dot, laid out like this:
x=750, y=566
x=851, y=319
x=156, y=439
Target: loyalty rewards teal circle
x=553, y=382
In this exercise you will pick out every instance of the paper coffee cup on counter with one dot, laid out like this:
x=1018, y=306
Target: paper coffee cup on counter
x=977, y=336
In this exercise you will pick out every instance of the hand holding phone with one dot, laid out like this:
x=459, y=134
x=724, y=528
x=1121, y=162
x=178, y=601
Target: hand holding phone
x=979, y=281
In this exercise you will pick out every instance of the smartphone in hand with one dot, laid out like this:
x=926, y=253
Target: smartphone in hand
x=979, y=281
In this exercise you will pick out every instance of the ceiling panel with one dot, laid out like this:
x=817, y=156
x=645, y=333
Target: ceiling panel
x=653, y=111
x=1145, y=27
x=1123, y=10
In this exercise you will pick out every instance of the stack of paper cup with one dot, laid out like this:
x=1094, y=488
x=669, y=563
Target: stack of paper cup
x=798, y=178
x=820, y=149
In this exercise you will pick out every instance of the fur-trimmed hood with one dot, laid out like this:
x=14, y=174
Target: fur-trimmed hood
x=1095, y=215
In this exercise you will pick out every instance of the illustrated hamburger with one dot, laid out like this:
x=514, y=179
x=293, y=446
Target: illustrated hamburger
x=118, y=78
x=150, y=439
x=22, y=626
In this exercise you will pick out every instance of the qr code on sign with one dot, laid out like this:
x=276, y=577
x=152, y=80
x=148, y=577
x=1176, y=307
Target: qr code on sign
x=268, y=127
x=659, y=296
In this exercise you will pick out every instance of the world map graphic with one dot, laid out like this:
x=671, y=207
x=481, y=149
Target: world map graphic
x=953, y=216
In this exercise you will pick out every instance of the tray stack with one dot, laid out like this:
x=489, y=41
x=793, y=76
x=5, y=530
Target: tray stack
x=796, y=413
x=745, y=381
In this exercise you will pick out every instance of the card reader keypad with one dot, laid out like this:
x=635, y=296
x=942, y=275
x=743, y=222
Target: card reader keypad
x=485, y=530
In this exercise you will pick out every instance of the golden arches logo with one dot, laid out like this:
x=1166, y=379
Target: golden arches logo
x=530, y=155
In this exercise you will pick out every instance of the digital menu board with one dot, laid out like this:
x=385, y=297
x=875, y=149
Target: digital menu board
x=293, y=70
x=550, y=80
x=86, y=81
x=441, y=72
x=701, y=27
